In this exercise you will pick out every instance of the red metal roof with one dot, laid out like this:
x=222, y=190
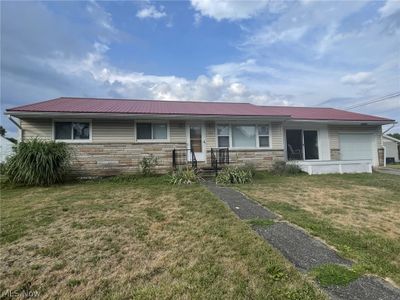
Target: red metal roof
x=156, y=107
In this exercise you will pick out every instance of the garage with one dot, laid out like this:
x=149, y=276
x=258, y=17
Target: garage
x=355, y=146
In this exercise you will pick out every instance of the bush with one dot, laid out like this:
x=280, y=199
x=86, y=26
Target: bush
x=184, y=176
x=148, y=164
x=282, y=168
x=234, y=175
x=38, y=162
x=249, y=166
x=2, y=168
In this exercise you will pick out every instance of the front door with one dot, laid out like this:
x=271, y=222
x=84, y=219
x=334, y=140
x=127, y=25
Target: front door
x=196, y=140
x=302, y=144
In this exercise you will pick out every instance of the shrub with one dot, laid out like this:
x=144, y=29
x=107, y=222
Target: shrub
x=2, y=168
x=249, y=166
x=234, y=175
x=38, y=162
x=282, y=168
x=184, y=176
x=148, y=164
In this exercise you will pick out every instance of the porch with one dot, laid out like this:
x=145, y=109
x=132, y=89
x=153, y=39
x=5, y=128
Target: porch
x=334, y=166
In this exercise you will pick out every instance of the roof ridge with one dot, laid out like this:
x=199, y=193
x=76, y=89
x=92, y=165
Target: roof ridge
x=179, y=101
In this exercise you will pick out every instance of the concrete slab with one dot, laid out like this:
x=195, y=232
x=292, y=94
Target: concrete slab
x=302, y=250
x=364, y=288
x=243, y=207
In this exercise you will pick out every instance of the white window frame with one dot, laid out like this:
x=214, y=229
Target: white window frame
x=257, y=124
x=53, y=134
x=152, y=140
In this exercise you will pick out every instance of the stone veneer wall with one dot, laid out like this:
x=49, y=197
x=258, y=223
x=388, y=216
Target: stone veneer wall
x=106, y=159
x=262, y=159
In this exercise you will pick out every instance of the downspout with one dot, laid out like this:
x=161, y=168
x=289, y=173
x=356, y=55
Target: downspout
x=18, y=126
x=384, y=156
x=394, y=123
x=384, y=148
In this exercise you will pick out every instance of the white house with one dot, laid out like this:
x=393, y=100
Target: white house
x=111, y=136
x=391, y=148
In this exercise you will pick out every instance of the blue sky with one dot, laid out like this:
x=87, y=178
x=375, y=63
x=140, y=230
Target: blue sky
x=304, y=53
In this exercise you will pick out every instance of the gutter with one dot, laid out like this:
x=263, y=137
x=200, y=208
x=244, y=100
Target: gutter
x=144, y=116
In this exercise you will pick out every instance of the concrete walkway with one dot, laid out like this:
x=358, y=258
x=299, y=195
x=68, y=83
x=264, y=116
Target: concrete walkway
x=390, y=171
x=304, y=251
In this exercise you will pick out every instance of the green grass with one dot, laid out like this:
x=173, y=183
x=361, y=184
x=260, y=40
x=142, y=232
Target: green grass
x=138, y=238
x=330, y=274
x=257, y=222
x=357, y=214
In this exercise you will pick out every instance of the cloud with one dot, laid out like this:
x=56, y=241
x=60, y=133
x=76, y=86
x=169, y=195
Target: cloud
x=229, y=10
x=269, y=36
x=363, y=78
x=390, y=8
x=151, y=12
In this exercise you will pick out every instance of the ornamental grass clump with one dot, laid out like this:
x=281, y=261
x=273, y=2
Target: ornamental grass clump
x=38, y=162
x=234, y=175
x=184, y=176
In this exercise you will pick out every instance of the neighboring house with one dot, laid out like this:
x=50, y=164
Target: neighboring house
x=6, y=149
x=392, y=148
x=111, y=136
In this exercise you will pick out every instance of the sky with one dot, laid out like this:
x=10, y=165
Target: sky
x=301, y=53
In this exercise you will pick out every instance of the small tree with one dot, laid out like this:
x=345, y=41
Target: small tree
x=38, y=162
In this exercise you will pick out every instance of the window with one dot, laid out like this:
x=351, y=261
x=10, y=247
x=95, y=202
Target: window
x=263, y=136
x=151, y=131
x=243, y=136
x=223, y=136
x=71, y=130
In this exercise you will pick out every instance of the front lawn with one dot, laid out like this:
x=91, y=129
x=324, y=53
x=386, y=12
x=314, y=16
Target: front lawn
x=357, y=214
x=140, y=238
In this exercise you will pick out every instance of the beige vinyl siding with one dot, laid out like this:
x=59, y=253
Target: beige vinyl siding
x=177, y=132
x=335, y=130
x=113, y=131
x=41, y=128
x=210, y=135
x=277, y=135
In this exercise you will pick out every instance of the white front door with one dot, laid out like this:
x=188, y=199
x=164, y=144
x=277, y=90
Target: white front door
x=196, y=140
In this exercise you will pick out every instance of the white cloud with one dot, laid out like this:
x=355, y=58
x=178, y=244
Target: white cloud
x=390, y=7
x=270, y=36
x=197, y=19
x=236, y=70
x=362, y=78
x=151, y=12
x=229, y=10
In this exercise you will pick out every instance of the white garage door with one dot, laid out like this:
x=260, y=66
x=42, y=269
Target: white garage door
x=356, y=146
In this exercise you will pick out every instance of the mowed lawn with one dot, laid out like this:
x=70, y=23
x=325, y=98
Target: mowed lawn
x=357, y=214
x=136, y=239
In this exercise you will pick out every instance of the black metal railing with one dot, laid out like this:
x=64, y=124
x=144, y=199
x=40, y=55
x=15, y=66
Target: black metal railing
x=180, y=158
x=219, y=158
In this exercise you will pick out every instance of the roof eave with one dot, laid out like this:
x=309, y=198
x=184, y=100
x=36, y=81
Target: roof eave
x=333, y=121
x=21, y=114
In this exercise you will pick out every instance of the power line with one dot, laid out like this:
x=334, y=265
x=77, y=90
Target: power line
x=383, y=98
